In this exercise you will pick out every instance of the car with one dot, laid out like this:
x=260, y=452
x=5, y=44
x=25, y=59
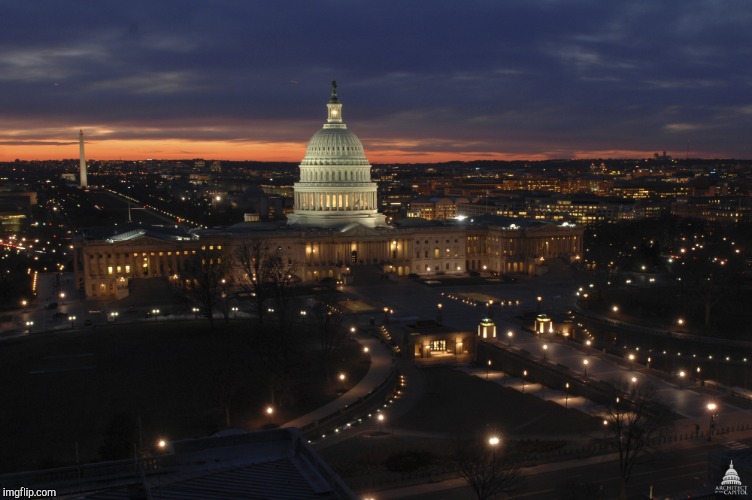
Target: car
x=60, y=314
x=51, y=305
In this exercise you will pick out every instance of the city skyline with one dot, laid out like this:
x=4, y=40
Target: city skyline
x=419, y=82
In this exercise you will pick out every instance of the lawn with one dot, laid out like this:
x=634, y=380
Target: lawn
x=457, y=406
x=60, y=391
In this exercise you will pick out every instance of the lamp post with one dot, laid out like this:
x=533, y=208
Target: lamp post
x=510, y=334
x=342, y=382
x=489, y=308
x=631, y=361
x=712, y=407
x=566, y=395
x=493, y=441
x=540, y=300
x=439, y=317
x=681, y=379
x=545, y=348
x=269, y=411
x=488, y=368
x=72, y=320
x=235, y=312
x=114, y=315
x=380, y=418
x=524, y=374
x=585, y=363
x=699, y=376
x=155, y=312
x=634, y=384
x=29, y=324
x=195, y=312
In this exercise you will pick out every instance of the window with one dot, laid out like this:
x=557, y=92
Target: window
x=438, y=345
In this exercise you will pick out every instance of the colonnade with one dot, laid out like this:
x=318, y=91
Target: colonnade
x=335, y=201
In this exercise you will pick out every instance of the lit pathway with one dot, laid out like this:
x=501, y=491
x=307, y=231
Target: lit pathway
x=382, y=363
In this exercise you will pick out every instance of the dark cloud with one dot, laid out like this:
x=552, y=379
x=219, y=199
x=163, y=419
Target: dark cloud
x=522, y=77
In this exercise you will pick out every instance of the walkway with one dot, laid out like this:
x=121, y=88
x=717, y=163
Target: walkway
x=382, y=364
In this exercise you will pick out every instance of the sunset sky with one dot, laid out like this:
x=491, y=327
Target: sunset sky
x=420, y=80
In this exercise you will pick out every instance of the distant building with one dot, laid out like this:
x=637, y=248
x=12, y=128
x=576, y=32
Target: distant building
x=732, y=209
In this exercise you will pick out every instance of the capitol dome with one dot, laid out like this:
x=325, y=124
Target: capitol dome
x=331, y=146
x=731, y=477
x=335, y=187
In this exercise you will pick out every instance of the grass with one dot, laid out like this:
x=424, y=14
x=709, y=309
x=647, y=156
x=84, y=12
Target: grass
x=60, y=390
x=455, y=406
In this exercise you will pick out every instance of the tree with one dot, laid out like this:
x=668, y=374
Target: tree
x=267, y=274
x=329, y=327
x=264, y=273
x=487, y=471
x=632, y=423
x=207, y=278
x=708, y=270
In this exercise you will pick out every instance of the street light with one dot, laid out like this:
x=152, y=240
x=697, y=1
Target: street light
x=439, y=307
x=380, y=418
x=712, y=409
x=681, y=379
x=195, y=312
x=510, y=334
x=269, y=411
x=524, y=374
x=155, y=312
x=114, y=315
x=29, y=324
x=342, y=382
x=634, y=384
x=545, y=348
x=234, y=312
x=488, y=369
x=631, y=361
x=72, y=319
x=494, y=442
x=585, y=362
x=566, y=395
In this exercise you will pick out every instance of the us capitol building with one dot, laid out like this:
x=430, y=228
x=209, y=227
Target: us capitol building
x=335, y=229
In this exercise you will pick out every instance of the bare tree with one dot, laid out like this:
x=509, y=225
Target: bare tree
x=329, y=327
x=265, y=274
x=709, y=273
x=207, y=278
x=487, y=471
x=632, y=424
